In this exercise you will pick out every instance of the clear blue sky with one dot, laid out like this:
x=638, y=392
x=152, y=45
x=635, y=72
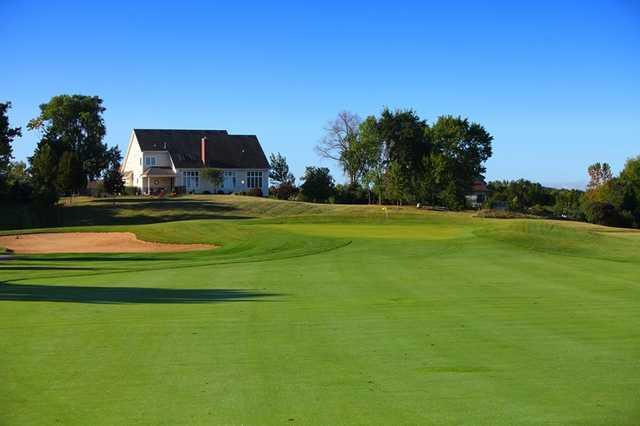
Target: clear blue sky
x=556, y=83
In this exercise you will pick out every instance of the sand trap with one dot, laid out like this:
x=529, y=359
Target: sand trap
x=90, y=242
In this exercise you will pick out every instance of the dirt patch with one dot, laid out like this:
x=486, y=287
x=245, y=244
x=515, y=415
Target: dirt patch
x=90, y=242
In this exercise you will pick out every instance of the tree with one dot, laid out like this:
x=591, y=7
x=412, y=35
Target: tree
x=213, y=175
x=74, y=123
x=43, y=169
x=279, y=172
x=599, y=173
x=70, y=177
x=284, y=180
x=567, y=203
x=19, y=182
x=464, y=147
x=7, y=135
x=113, y=180
x=631, y=172
x=370, y=149
x=405, y=142
x=395, y=183
x=318, y=184
x=339, y=144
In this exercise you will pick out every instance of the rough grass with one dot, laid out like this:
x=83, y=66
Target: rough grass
x=318, y=314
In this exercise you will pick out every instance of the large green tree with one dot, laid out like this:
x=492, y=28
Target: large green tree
x=371, y=148
x=74, y=123
x=70, y=177
x=43, y=170
x=613, y=200
x=7, y=135
x=318, y=184
x=461, y=149
x=405, y=142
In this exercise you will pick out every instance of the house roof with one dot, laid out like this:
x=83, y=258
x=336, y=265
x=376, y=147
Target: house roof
x=158, y=172
x=479, y=186
x=223, y=150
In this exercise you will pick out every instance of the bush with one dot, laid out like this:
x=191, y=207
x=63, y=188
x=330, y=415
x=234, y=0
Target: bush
x=603, y=213
x=318, y=185
x=503, y=214
x=255, y=192
x=284, y=191
x=252, y=192
x=538, y=210
x=350, y=194
x=131, y=190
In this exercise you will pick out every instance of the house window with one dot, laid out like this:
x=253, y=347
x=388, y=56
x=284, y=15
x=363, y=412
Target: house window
x=150, y=161
x=191, y=179
x=254, y=179
x=229, y=180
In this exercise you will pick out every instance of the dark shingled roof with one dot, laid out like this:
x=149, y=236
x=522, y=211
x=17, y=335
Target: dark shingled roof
x=223, y=150
x=158, y=171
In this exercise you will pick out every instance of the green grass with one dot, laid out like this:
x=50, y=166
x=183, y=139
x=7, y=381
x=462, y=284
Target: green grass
x=312, y=314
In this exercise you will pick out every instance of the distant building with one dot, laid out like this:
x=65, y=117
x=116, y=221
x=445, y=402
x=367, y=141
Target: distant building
x=160, y=160
x=478, y=194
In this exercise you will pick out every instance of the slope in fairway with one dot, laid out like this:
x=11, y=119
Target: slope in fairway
x=340, y=318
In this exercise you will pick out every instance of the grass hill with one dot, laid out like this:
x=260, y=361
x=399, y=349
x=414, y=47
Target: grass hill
x=322, y=314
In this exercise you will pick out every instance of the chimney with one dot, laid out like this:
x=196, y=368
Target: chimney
x=203, y=150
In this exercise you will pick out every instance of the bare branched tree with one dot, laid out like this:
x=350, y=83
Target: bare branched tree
x=341, y=134
x=600, y=173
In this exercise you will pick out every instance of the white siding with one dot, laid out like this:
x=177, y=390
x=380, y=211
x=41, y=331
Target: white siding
x=162, y=159
x=228, y=187
x=133, y=161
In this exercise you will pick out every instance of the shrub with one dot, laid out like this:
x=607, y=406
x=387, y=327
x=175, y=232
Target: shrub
x=318, y=184
x=350, y=194
x=284, y=191
x=603, y=213
x=503, y=214
x=254, y=192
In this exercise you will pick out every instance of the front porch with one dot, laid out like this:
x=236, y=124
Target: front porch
x=158, y=180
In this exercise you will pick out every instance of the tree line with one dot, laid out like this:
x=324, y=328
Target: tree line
x=69, y=154
x=395, y=157
x=608, y=200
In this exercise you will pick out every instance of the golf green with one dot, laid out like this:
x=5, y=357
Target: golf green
x=324, y=315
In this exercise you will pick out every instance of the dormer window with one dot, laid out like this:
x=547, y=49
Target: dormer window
x=149, y=161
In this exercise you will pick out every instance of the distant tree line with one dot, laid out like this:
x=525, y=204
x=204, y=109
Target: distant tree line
x=69, y=154
x=396, y=157
x=608, y=200
x=524, y=196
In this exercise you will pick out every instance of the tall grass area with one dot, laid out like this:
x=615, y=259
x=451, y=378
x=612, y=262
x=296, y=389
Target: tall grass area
x=322, y=314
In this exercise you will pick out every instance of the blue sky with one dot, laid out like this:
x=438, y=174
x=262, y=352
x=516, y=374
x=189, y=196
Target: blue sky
x=556, y=83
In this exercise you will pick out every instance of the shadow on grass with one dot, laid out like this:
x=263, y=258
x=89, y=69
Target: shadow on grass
x=138, y=212
x=121, y=211
x=43, y=268
x=124, y=295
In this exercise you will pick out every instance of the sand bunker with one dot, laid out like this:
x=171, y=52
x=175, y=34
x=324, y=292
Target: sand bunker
x=90, y=242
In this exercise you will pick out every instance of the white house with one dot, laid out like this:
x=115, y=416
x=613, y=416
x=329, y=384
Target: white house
x=166, y=160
